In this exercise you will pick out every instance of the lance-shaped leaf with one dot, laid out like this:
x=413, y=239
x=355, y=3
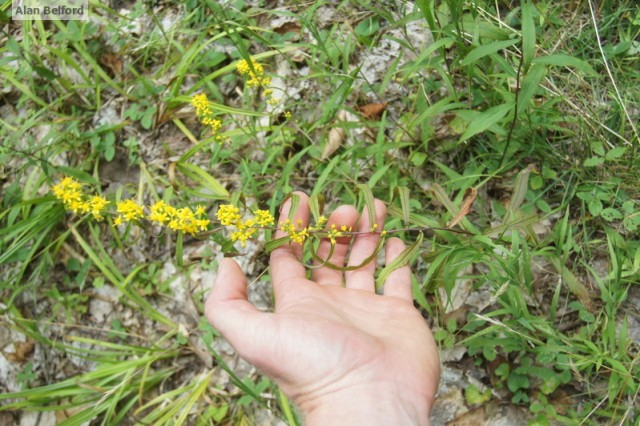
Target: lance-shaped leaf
x=274, y=244
x=316, y=205
x=403, y=259
x=295, y=201
x=403, y=193
x=369, y=202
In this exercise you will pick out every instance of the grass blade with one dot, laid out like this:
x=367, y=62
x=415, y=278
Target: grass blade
x=487, y=49
x=486, y=119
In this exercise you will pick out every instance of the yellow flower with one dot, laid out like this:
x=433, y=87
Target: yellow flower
x=201, y=104
x=161, y=212
x=202, y=224
x=184, y=219
x=298, y=234
x=97, y=204
x=264, y=218
x=214, y=123
x=69, y=191
x=334, y=233
x=129, y=210
x=242, y=235
x=254, y=73
x=228, y=214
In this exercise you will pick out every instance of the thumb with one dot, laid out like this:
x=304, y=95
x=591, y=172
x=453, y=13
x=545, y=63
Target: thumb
x=228, y=310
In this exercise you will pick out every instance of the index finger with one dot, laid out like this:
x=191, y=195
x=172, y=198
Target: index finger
x=285, y=261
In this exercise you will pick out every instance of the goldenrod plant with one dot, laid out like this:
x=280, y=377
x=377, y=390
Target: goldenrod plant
x=142, y=146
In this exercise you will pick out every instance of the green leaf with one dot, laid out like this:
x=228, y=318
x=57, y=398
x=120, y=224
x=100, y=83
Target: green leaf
x=502, y=370
x=593, y=161
x=316, y=205
x=595, y=207
x=369, y=202
x=632, y=223
x=528, y=34
x=274, y=244
x=45, y=72
x=489, y=352
x=109, y=152
x=530, y=85
x=615, y=153
x=203, y=178
x=610, y=214
x=517, y=381
x=400, y=261
x=295, y=202
x=520, y=187
x=147, y=121
x=562, y=60
x=486, y=119
x=367, y=27
x=487, y=49
x=550, y=384
x=403, y=193
x=585, y=196
x=536, y=182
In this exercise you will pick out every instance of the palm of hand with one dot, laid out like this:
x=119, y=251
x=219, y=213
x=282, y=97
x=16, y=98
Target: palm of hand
x=323, y=337
x=355, y=334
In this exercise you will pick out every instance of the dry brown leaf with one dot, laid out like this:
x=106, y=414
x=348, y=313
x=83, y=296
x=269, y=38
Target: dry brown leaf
x=112, y=62
x=373, y=111
x=469, y=197
x=474, y=417
x=335, y=139
x=288, y=27
x=22, y=352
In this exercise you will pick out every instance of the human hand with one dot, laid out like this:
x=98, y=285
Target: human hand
x=342, y=354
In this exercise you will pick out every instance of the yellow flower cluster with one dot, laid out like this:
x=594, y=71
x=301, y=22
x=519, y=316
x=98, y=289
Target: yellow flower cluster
x=201, y=103
x=334, y=232
x=129, y=210
x=183, y=219
x=69, y=191
x=255, y=78
x=229, y=215
x=299, y=234
x=254, y=73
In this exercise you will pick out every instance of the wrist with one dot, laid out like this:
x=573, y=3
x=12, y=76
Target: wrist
x=368, y=405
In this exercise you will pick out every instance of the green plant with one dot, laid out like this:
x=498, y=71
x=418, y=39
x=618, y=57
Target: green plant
x=506, y=152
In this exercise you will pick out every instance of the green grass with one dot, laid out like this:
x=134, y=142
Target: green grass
x=533, y=108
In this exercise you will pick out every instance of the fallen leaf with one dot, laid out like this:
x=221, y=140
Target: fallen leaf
x=22, y=352
x=373, y=111
x=112, y=62
x=469, y=197
x=477, y=416
x=288, y=27
x=335, y=139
